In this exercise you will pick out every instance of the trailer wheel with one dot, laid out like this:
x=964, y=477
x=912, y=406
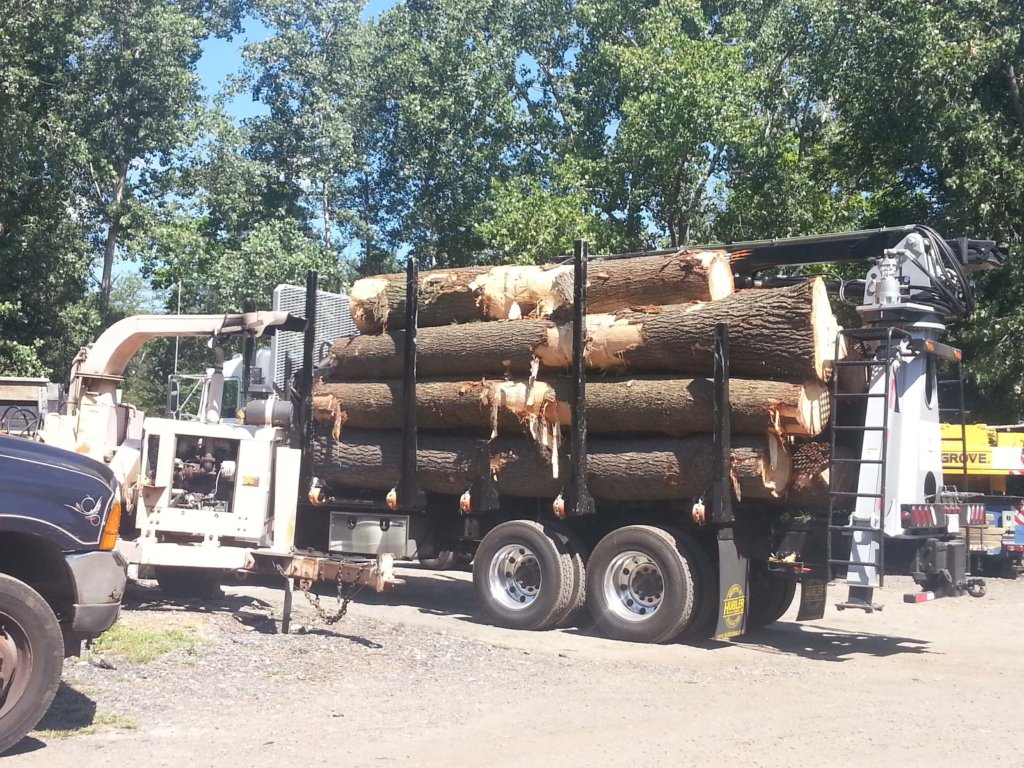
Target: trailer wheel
x=705, y=588
x=579, y=553
x=771, y=594
x=523, y=576
x=31, y=659
x=443, y=562
x=189, y=583
x=639, y=585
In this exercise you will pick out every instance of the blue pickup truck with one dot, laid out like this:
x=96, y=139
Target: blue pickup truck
x=61, y=580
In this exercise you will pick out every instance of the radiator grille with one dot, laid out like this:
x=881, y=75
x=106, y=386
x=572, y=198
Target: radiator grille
x=333, y=320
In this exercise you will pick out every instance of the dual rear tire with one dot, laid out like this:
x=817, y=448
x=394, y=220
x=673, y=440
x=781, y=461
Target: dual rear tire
x=771, y=595
x=650, y=585
x=641, y=583
x=526, y=577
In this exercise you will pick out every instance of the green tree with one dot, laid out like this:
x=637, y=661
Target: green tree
x=441, y=123
x=310, y=74
x=930, y=126
x=43, y=255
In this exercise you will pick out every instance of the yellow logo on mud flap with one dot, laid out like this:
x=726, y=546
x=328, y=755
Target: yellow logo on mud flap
x=813, y=592
x=733, y=606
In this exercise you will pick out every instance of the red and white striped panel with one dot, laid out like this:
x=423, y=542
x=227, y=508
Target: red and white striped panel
x=976, y=514
x=919, y=597
x=922, y=516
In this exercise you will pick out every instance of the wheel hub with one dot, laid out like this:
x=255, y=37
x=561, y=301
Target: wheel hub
x=633, y=586
x=15, y=663
x=513, y=576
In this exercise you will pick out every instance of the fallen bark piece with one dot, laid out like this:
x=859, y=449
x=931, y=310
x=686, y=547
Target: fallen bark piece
x=672, y=406
x=509, y=292
x=652, y=469
x=784, y=333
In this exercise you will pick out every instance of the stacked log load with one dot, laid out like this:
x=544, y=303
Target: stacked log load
x=494, y=350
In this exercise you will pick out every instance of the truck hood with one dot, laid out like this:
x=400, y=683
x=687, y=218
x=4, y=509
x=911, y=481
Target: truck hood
x=56, y=458
x=54, y=493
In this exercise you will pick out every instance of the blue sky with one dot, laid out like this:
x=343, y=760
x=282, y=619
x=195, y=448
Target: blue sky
x=222, y=58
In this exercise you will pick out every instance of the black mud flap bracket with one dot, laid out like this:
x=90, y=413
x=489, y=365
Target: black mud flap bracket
x=733, y=587
x=733, y=568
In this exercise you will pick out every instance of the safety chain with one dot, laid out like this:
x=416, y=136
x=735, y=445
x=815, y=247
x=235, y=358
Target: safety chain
x=344, y=598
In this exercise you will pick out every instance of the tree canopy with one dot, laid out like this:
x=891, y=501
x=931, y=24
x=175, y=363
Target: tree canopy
x=488, y=131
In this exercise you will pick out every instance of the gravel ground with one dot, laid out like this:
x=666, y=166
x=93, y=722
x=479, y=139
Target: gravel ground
x=411, y=678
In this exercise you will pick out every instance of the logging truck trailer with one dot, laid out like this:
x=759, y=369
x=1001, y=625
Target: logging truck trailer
x=210, y=496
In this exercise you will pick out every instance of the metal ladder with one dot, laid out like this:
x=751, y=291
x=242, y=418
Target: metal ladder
x=883, y=357
x=960, y=443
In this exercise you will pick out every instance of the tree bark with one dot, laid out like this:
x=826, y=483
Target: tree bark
x=809, y=484
x=499, y=293
x=653, y=404
x=654, y=469
x=785, y=333
x=110, y=246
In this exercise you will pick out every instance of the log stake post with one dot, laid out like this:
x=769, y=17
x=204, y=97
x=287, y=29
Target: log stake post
x=302, y=395
x=409, y=496
x=577, y=496
x=721, y=489
x=733, y=570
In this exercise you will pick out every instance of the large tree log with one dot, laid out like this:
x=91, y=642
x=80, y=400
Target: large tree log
x=655, y=469
x=784, y=333
x=809, y=486
x=670, y=406
x=499, y=293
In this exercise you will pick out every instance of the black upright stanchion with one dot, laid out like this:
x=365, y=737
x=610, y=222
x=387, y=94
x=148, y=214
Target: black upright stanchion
x=409, y=496
x=721, y=492
x=303, y=400
x=577, y=496
x=732, y=563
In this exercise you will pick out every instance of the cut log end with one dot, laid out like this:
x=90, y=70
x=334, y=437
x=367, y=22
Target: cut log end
x=720, y=278
x=826, y=329
x=813, y=409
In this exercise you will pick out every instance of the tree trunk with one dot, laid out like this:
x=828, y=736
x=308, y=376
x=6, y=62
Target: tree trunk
x=499, y=293
x=784, y=333
x=809, y=485
x=655, y=469
x=664, y=405
x=110, y=246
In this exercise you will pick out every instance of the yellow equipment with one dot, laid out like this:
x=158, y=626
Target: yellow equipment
x=993, y=454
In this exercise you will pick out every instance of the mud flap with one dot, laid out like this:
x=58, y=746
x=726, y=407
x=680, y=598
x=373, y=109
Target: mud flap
x=732, y=588
x=814, y=584
x=813, y=590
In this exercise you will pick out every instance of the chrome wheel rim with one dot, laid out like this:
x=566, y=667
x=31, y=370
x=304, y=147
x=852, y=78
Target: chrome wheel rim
x=513, y=577
x=633, y=586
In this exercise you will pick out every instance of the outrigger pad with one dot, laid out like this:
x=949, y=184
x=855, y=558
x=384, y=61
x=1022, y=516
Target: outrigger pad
x=813, y=593
x=732, y=588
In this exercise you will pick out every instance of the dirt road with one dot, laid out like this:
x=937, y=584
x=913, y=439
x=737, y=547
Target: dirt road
x=412, y=679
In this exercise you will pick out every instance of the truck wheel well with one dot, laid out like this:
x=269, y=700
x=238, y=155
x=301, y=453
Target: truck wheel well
x=41, y=565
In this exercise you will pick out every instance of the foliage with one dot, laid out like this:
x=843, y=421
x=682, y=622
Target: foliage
x=465, y=131
x=142, y=646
